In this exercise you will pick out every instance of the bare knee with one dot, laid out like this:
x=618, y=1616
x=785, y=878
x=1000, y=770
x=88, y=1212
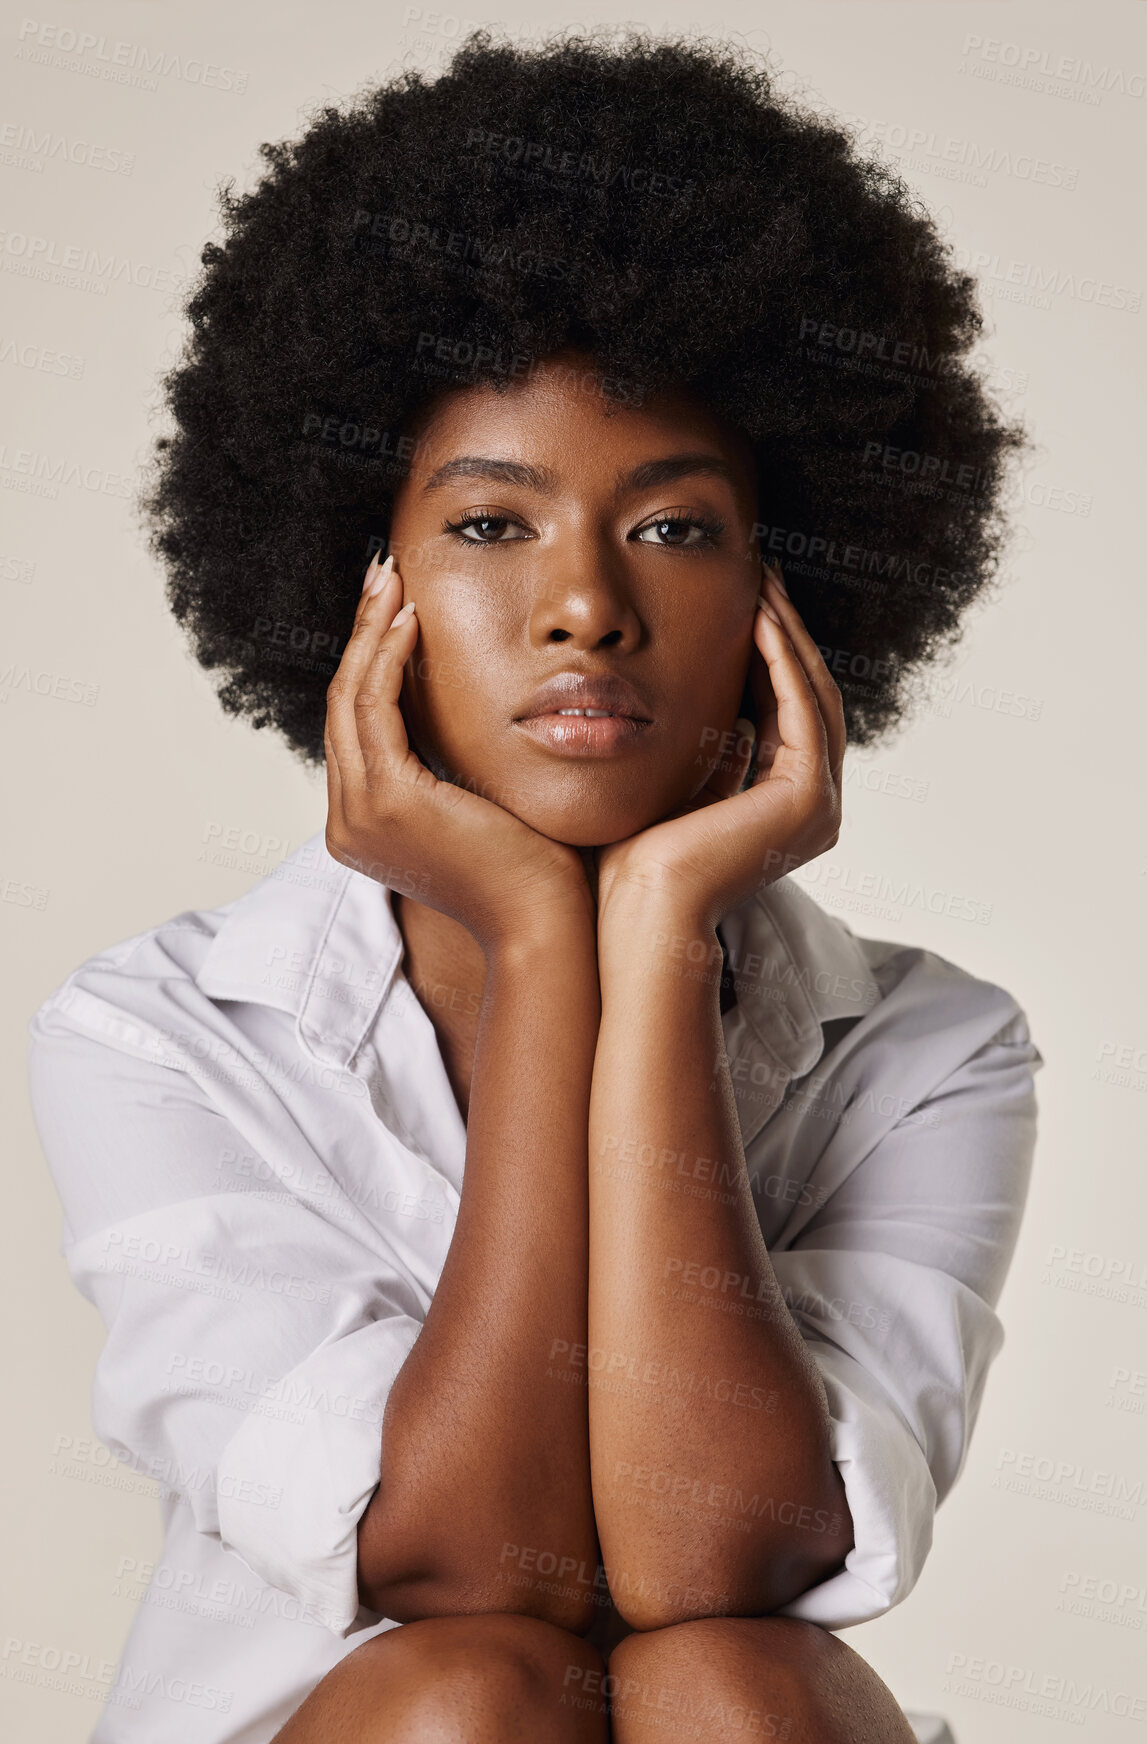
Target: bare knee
x=765, y=1677
x=705, y=1677
x=486, y=1679
x=728, y=1644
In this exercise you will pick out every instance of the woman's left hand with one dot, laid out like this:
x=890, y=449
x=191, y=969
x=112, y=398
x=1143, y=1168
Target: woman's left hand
x=720, y=849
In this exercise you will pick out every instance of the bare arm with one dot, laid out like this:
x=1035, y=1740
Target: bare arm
x=485, y=1453
x=714, y=1486
x=482, y=1451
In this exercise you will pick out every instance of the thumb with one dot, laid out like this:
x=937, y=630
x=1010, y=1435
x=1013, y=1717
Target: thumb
x=729, y=775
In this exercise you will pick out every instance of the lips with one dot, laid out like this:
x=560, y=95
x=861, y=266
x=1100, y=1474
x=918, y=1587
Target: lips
x=605, y=692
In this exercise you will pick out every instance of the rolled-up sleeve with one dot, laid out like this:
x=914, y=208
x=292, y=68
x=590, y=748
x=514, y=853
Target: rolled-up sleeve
x=894, y=1283
x=252, y=1334
x=321, y=1465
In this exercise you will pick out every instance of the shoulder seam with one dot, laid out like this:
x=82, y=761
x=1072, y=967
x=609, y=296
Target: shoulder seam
x=107, y=959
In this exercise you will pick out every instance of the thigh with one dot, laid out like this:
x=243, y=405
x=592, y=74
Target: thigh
x=488, y=1679
x=744, y=1680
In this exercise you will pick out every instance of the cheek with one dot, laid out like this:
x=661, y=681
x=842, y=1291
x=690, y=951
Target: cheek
x=709, y=680
x=440, y=684
x=454, y=694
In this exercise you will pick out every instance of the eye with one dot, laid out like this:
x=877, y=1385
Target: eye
x=680, y=530
x=489, y=529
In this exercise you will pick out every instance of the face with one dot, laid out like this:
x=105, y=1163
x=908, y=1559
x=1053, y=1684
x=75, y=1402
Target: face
x=546, y=532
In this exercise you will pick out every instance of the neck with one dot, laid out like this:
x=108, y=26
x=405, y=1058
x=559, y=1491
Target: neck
x=438, y=950
x=435, y=943
x=589, y=861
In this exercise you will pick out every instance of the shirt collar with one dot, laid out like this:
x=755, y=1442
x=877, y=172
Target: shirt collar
x=319, y=940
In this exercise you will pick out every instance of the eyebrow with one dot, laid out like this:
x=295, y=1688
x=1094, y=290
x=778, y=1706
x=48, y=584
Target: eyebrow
x=537, y=478
x=543, y=480
x=675, y=466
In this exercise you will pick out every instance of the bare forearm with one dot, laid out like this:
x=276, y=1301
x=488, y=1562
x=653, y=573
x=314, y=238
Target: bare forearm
x=482, y=1449
x=709, y=1426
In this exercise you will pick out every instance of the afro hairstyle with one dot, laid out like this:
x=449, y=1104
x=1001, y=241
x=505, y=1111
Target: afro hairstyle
x=658, y=204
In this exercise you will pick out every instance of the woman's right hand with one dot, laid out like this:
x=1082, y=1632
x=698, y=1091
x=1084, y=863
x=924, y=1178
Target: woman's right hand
x=392, y=819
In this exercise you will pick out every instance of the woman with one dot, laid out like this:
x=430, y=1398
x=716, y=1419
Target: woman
x=549, y=1263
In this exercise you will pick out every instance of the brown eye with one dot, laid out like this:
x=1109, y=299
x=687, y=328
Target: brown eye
x=680, y=531
x=670, y=532
x=488, y=529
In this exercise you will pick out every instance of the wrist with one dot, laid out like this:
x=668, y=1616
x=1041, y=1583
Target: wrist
x=559, y=938
x=636, y=926
x=543, y=916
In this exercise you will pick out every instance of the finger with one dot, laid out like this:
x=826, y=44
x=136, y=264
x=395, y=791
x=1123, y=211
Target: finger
x=731, y=766
x=765, y=708
x=334, y=775
x=825, y=687
x=729, y=771
x=372, y=618
x=340, y=730
x=336, y=817
x=794, y=730
x=381, y=729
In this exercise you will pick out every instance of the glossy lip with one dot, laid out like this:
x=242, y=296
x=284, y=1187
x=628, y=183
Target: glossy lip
x=574, y=735
x=604, y=690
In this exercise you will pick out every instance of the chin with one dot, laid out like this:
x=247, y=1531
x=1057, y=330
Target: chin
x=587, y=833
x=573, y=806
x=592, y=823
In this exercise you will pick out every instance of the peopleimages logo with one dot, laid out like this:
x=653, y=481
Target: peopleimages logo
x=901, y=894
x=1031, y=66
x=120, y=61
x=1002, y=275
x=40, y=256
x=1055, y=1695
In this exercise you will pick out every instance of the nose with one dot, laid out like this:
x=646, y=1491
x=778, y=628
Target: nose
x=583, y=599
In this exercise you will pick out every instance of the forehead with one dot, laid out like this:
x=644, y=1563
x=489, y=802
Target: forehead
x=560, y=413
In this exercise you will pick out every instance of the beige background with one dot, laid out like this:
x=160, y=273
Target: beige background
x=127, y=778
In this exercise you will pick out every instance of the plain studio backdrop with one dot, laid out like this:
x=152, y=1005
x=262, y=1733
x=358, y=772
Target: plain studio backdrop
x=1000, y=828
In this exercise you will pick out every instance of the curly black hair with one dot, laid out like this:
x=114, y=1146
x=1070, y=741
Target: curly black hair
x=656, y=203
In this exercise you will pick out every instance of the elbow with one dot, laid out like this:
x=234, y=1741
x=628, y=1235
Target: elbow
x=412, y=1597
x=794, y=1561
x=407, y=1576
x=657, y=1603
x=650, y=1592
x=767, y=1575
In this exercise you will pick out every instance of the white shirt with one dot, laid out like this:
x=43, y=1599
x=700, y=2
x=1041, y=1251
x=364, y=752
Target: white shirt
x=260, y=1156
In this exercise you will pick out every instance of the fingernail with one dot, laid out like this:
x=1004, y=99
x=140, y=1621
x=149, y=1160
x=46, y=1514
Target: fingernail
x=370, y=568
x=777, y=577
x=401, y=617
x=380, y=578
x=745, y=728
x=764, y=606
